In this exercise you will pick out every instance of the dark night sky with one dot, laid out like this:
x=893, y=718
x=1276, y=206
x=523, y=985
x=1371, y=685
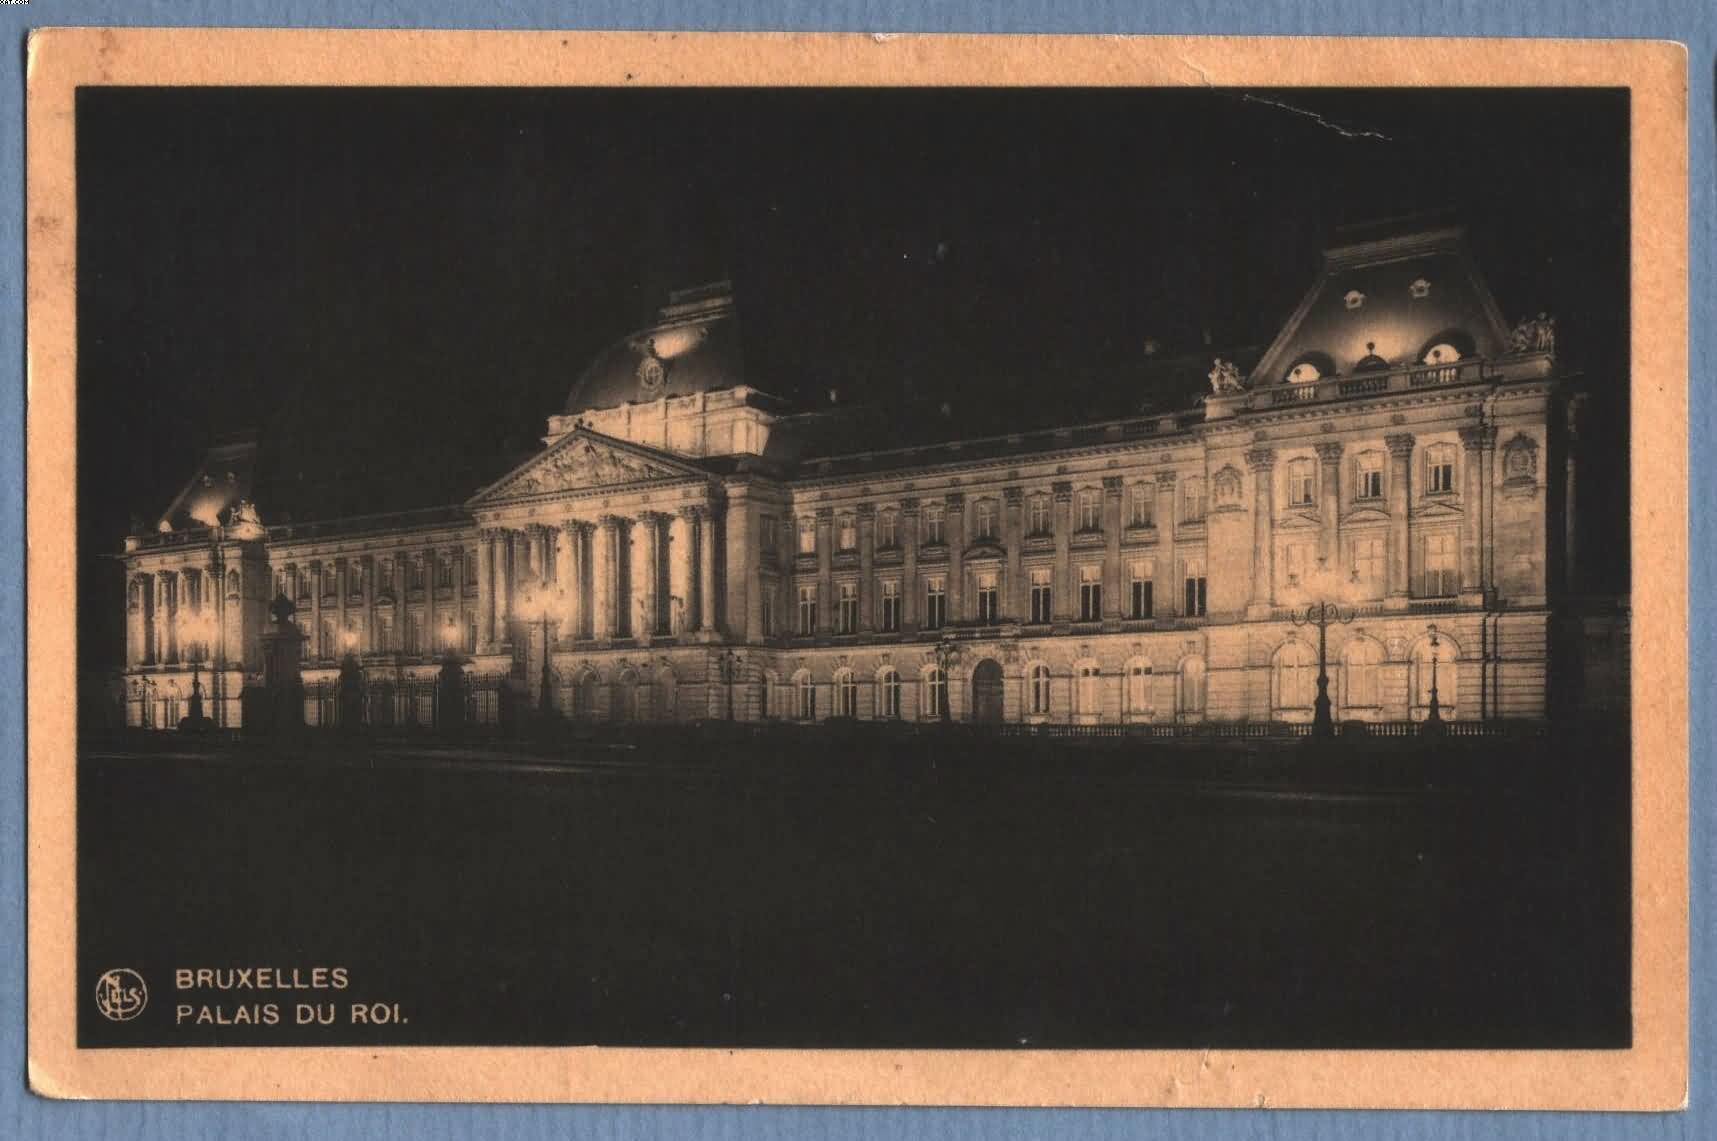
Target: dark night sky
x=408, y=281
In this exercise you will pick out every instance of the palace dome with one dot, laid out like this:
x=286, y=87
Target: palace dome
x=693, y=347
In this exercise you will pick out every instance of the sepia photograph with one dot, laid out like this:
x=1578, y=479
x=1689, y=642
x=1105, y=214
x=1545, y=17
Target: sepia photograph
x=810, y=568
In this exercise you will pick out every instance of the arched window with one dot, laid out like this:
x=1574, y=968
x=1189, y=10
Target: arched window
x=1040, y=689
x=1445, y=677
x=1190, y=692
x=232, y=584
x=1139, y=686
x=587, y=703
x=625, y=699
x=935, y=693
x=1088, y=693
x=805, y=696
x=846, y=694
x=667, y=695
x=889, y=686
x=1362, y=662
x=1296, y=676
x=772, y=698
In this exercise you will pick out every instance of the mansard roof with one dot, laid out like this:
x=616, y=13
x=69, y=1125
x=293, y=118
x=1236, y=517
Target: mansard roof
x=1391, y=300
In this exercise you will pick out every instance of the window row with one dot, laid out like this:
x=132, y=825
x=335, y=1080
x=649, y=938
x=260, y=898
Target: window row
x=300, y=582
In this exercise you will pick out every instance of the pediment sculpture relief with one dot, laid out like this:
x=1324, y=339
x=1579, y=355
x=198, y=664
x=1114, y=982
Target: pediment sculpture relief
x=582, y=464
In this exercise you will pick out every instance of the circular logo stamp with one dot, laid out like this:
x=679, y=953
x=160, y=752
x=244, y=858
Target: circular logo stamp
x=120, y=994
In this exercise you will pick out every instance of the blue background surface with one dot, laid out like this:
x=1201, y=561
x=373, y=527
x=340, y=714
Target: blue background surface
x=1690, y=21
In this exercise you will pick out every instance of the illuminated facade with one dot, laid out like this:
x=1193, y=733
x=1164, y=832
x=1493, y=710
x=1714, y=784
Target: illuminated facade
x=688, y=546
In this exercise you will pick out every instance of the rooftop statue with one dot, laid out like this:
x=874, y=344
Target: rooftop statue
x=1225, y=378
x=1534, y=335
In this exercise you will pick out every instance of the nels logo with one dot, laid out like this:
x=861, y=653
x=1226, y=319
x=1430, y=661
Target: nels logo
x=120, y=995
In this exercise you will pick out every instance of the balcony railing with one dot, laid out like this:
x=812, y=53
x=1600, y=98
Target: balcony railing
x=1370, y=384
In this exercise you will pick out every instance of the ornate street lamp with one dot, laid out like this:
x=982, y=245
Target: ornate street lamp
x=729, y=662
x=1434, y=716
x=947, y=651
x=1322, y=614
x=451, y=682
x=351, y=684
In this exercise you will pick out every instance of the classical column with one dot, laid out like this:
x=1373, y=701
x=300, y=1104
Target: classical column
x=342, y=589
x=954, y=519
x=1262, y=462
x=601, y=560
x=1112, y=548
x=611, y=607
x=1062, y=602
x=908, y=567
x=368, y=563
x=1474, y=440
x=316, y=646
x=151, y=639
x=1166, y=600
x=825, y=572
x=706, y=570
x=1400, y=446
x=643, y=610
x=570, y=574
x=867, y=559
x=487, y=576
x=509, y=580
x=1329, y=504
x=431, y=579
x=1013, y=597
x=457, y=603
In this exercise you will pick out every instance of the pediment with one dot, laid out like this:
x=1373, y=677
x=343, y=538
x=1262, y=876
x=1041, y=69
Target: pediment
x=584, y=461
x=1437, y=509
x=1361, y=515
x=1299, y=521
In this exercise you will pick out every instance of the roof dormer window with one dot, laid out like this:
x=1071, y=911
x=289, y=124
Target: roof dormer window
x=1442, y=353
x=1353, y=299
x=1303, y=373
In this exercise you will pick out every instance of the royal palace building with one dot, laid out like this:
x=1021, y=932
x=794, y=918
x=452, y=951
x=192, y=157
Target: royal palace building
x=686, y=545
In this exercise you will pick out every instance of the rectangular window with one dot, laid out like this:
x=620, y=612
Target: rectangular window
x=1300, y=480
x=1141, y=573
x=1296, y=558
x=891, y=606
x=846, y=615
x=1195, y=588
x=444, y=570
x=807, y=536
x=888, y=529
x=1368, y=560
x=847, y=535
x=1090, y=593
x=1040, y=595
x=935, y=602
x=1037, y=515
x=471, y=570
x=1370, y=473
x=988, y=611
x=414, y=635
x=1439, y=469
x=933, y=525
x=807, y=610
x=1090, y=510
x=766, y=538
x=1441, y=578
x=1142, y=500
x=766, y=605
x=1192, y=499
x=986, y=519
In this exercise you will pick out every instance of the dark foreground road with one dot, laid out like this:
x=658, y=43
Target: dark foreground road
x=687, y=895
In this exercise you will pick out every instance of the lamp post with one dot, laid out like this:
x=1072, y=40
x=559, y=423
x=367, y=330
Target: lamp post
x=1322, y=614
x=729, y=662
x=351, y=684
x=947, y=652
x=450, y=701
x=1434, y=716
